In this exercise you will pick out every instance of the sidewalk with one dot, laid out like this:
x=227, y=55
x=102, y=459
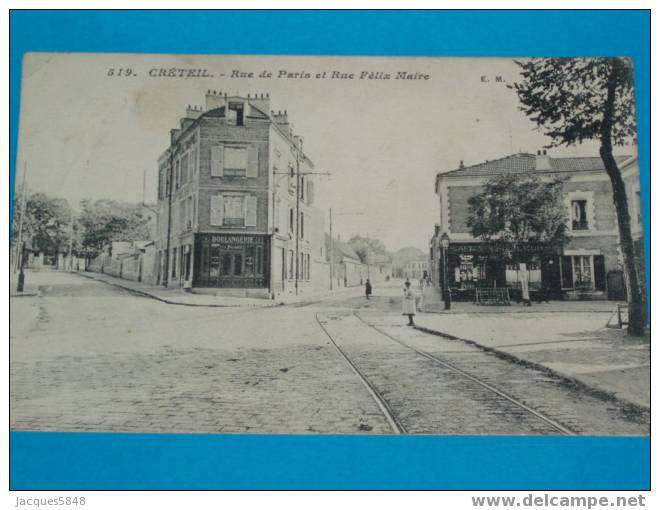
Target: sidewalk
x=433, y=303
x=181, y=297
x=29, y=289
x=576, y=346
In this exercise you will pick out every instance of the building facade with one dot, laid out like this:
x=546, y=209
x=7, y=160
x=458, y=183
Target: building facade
x=235, y=203
x=588, y=265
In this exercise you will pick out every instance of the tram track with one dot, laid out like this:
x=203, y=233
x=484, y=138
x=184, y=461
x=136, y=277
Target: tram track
x=395, y=422
x=384, y=406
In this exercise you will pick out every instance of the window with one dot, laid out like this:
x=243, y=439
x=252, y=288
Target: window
x=302, y=225
x=189, y=212
x=184, y=168
x=235, y=114
x=290, y=220
x=302, y=188
x=307, y=266
x=233, y=210
x=582, y=271
x=291, y=263
x=235, y=162
x=579, y=215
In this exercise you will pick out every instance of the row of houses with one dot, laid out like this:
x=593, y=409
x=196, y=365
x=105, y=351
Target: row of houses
x=587, y=266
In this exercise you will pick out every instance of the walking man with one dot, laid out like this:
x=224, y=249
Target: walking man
x=409, y=304
x=367, y=288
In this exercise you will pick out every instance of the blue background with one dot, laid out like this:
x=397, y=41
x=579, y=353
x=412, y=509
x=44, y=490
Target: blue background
x=176, y=461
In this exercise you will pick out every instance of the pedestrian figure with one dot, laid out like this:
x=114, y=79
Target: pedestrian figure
x=367, y=288
x=409, y=304
x=524, y=285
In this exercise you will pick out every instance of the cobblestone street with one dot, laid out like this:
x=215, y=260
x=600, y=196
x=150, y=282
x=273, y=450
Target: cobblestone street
x=87, y=356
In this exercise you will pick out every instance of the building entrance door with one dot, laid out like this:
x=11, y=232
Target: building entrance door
x=232, y=269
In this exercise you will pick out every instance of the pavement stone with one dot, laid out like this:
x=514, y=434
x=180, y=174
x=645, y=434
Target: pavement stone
x=577, y=346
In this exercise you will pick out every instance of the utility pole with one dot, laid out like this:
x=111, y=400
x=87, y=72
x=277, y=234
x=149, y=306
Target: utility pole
x=19, y=242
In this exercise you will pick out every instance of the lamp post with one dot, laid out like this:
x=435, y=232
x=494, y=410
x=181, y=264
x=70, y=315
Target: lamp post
x=446, y=295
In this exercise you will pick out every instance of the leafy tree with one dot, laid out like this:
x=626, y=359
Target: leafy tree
x=578, y=99
x=366, y=247
x=514, y=210
x=105, y=221
x=47, y=223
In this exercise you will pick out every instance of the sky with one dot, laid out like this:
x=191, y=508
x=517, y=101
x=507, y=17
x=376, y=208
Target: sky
x=84, y=133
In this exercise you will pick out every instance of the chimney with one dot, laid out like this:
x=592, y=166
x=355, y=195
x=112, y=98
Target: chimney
x=174, y=135
x=543, y=161
x=214, y=99
x=461, y=165
x=261, y=102
x=281, y=119
x=298, y=141
x=437, y=230
x=192, y=112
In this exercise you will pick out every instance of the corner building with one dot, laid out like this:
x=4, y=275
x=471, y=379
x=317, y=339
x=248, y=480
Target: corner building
x=587, y=266
x=235, y=203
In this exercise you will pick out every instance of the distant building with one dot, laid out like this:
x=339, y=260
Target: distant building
x=380, y=268
x=347, y=268
x=587, y=266
x=235, y=203
x=409, y=263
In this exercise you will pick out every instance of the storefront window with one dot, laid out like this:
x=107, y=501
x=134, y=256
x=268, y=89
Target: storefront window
x=470, y=272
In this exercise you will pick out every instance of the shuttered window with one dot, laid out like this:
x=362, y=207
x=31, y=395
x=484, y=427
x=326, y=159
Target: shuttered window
x=236, y=162
x=233, y=210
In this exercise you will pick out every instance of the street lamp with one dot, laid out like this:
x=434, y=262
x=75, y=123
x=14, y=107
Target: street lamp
x=446, y=295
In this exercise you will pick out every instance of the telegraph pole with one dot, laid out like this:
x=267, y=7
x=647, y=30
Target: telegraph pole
x=19, y=242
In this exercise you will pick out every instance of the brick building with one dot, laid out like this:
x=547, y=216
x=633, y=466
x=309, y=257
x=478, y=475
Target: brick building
x=239, y=217
x=589, y=263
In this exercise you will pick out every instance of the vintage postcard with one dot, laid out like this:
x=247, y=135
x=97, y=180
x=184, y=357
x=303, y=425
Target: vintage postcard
x=328, y=245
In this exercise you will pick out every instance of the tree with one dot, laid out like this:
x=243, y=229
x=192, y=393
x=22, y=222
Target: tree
x=514, y=210
x=366, y=247
x=105, y=221
x=47, y=223
x=578, y=99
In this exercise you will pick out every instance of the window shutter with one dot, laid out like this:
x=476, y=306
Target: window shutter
x=216, y=210
x=599, y=272
x=251, y=212
x=217, y=163
x=253, y=162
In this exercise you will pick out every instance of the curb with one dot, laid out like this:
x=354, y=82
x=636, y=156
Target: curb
x=272, y=304
x=163, y=300
x=567, y=379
